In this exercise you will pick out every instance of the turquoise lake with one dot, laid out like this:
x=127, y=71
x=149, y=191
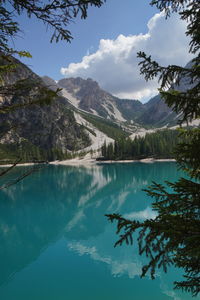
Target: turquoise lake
x=56, y=243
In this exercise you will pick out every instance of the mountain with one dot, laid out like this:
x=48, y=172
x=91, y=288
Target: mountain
x=131, y=110
x=157, y=113
x=43, y=131
x=46, y=132
x=50, y=83
x=88, y=96
x=81, y=118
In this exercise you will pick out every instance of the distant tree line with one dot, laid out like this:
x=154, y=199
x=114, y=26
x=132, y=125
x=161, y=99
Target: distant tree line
x=26, y=152
x=173, y=237
x=160, y=144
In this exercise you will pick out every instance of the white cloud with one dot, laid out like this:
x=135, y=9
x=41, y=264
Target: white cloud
x=75, y=220
x=115, y=64
x=118, y=267
x=147, y=213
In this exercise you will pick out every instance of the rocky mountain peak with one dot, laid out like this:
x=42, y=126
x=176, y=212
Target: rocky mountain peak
x=50, y=83
x=72, y=84
x=89, y=96
x=45, y=130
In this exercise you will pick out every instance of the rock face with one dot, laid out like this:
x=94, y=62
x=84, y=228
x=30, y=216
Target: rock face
x=130, y=109
x=157, y=113
x=50, y=128
x=88, y=96
x=50, y=83
x=71, y=121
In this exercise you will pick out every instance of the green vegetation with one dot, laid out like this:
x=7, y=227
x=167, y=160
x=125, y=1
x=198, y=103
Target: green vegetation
x=173, y=237
x=130, y=109
x=108, y=127
x=156, y=145
x=55, y=15
x=36, y=146
x=27, y=152
x=89, y=129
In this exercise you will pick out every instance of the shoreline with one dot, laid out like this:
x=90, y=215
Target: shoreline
x=78, y=162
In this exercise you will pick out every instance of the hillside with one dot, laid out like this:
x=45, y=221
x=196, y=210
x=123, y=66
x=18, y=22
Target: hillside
x=86, y=95
x=46, y=132
x=40, y=132
x=157, y=113
x=80, y=119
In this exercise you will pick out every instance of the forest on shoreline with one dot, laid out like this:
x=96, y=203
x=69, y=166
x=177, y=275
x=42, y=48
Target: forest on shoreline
x=158, y=145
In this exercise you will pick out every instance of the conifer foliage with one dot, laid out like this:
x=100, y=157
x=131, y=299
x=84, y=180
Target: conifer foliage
x=56, y=15
x=155, y=145
x=173, y=237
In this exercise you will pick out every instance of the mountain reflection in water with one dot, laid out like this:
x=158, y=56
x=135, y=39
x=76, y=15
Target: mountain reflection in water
x=65, y=202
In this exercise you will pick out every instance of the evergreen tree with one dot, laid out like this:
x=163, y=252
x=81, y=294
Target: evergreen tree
x=110, y=151
x=103, y=150
x=55, y=15
x=158, y=145
x=173, y=237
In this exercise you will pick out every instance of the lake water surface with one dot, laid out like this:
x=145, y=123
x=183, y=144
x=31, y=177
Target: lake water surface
x=56, y=244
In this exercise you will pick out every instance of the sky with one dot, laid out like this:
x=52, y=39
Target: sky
x=105, y=47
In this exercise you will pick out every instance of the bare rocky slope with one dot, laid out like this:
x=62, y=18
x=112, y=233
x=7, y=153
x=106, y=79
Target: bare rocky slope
x=44, y=131
x=81, y=118
x=88, y=96
x=157, y=113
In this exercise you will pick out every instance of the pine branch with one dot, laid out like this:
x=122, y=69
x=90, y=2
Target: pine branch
x=19, y=178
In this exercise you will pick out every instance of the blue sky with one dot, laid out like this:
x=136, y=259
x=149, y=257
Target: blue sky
x=119, y=25
x=113, y=18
